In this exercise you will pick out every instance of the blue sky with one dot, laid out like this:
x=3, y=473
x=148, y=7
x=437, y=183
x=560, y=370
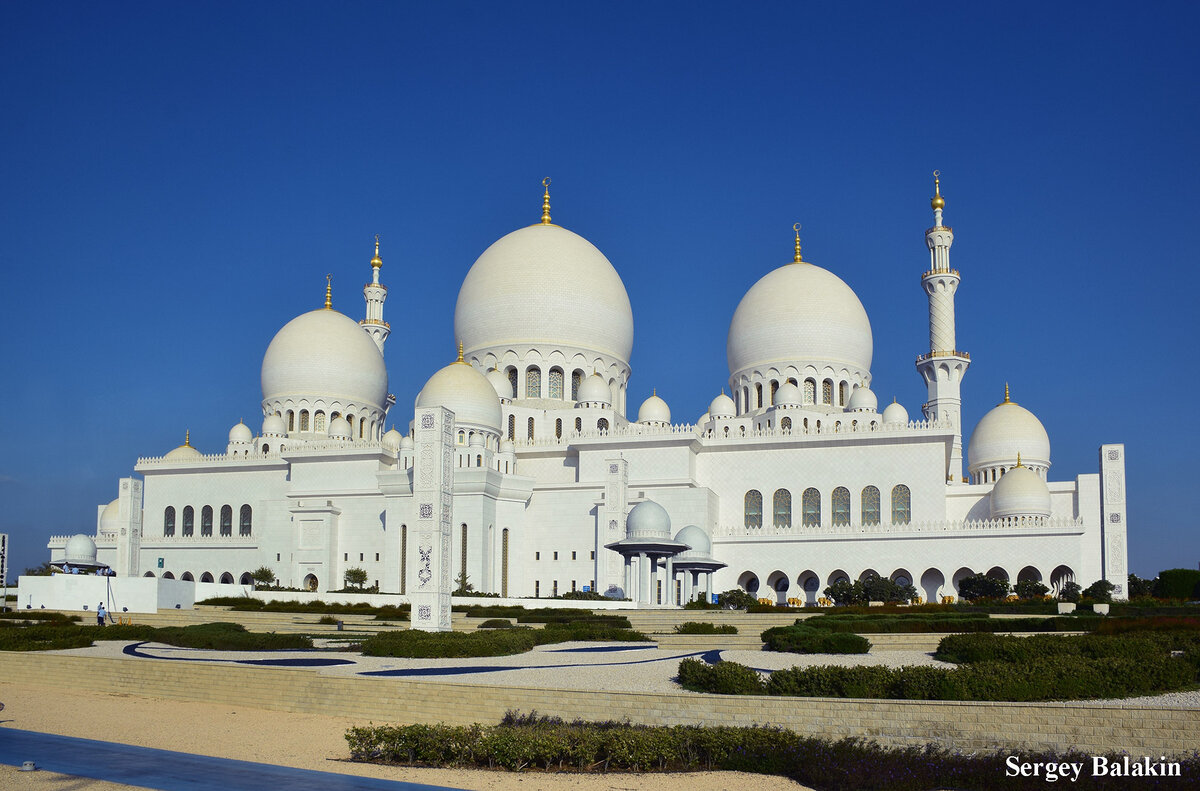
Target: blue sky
x=176, y=180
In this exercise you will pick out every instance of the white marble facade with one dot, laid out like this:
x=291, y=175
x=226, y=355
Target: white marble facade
x=796, y=478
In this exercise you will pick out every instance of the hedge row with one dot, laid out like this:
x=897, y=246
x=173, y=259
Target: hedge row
x=950, y=622
x=970, y=648
x=703, y=627
x=36, y=615
x=44, y=638
x=490, y=642
x=217, y=636
x=530, y=742
x=248, y=604
x=802, y=639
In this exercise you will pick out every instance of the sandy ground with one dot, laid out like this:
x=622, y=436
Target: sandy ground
x=305, y=741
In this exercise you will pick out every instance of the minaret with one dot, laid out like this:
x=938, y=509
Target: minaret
x=944, y=366
x=375, y=293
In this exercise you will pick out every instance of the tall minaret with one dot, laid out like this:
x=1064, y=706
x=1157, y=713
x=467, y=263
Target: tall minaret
x=375, y=294
x=943, y=367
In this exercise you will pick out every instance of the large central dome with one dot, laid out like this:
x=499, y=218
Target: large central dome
x=544, y=286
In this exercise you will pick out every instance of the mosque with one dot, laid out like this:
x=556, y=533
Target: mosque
x=545, y=482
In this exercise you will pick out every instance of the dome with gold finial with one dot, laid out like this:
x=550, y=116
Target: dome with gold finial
x=1007, y=430
x=1020, y=493
x=465, y=392
x=184, y=451
x=937, y=201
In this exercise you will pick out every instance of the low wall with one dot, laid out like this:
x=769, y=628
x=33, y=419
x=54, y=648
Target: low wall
x=956, y=725
x=82, y=592
x=383, y=599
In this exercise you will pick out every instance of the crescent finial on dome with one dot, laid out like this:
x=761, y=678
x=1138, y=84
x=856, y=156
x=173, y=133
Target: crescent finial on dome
x=460, y=354
x=937, y=202
x=376, y=261
x=329, y=292
x=546, y=201
x=797, y=258
x=187, y=437
x=1006, y=399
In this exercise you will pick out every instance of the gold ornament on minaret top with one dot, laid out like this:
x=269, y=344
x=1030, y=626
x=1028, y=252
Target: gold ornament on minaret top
x=797, y=258
x=376, y=261
x=328, y=292
x=546, y=201
x=937, y=202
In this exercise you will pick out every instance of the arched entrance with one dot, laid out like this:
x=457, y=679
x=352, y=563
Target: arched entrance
x=931, y=585
x=780, y=584
x=748, y=582
x=310, y=582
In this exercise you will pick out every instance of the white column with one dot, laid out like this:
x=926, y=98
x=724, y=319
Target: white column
x=627, y=592
x=687, y=586
x=644, y=574
x=670, y=582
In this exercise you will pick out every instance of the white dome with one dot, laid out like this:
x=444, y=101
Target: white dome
x=465, y=392
x=1020, y=492
x=722, y=406
x=406, y=443
x=476, y=440
x=863, y=400
x=273, y=424
x=594, y=389
x=1003, y=433
x=700, y=545
x=324, y=354
x=893, y=413
x=240, y=433
x=184, y=451
x=787, y=395
x=500, y=382
x=80, y=549
x=544, y=285
x=648, y=519
x=110, y=517
x=339, y=427
x=800, y=314
x=392, y=440
x=654, y=410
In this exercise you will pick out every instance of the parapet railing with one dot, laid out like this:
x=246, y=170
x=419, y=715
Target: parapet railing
x=939, y=526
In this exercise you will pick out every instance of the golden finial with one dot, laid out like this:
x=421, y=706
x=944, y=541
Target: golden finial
x=376, y=261
x=937, y=202
x=460, y=355
x=797, y=258
x=328, y=292
x=187, y=438
x=546, y=201
x=1019, y=458
x=654, y=392
x=1006, y=400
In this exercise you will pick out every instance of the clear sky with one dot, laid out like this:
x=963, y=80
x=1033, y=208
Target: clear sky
x=176, y=179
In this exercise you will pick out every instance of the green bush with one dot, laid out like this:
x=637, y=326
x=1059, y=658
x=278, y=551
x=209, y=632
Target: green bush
x=497, y=623
x=1070, y=592
x=735, y=599
x=586, y=630
x=723, y=678
x=45, y=638
x=328, y=620
x=1030, y=589
x=982, y=587
x=217, y=636
x=43, y=616
x=1139, y=588
x=703, y=627
x=971, y=648
x=1100, y=591
x=419, y=644
x=1178, y=584
x=919, y=623
x=801, y=639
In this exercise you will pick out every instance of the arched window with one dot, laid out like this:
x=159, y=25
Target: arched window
x=786, y=424
x=226, y=520
x=529, y=430
x=362, y=428
x=758, y=395
x=558, y=429
x=578, y=425
x=462, y=437
x=206, y=521
x=512, y=427
x=812, y=508
x=602, y=425
x=870, y=506
x=841, y=506
x=901, y=505
x=189, y=520
x=556, y=383
x=810, y=391
x=291, y=420
x=745, y=400
x=169, y=521
x=753, y=510
x=226, y=578
x=782, y=508
x=319, y=421
x=350, y=422
x=576, y=380
x=244, y=521
x=304, y=420
x=533, y=382
x=504, y=563
x=827, y=391
x=512, y=381
x=478, y=460
x=403, y=559
x=842, y=389
x=774, y=388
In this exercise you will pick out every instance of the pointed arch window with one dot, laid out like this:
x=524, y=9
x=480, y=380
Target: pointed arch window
x=810, y=391
x=512, y=427
x=901, y=505
x=758, y=395
x=841, y=506
x=602, y=425
x=206, y=521
x=512, y=382
x=504, y=563
x=774, y=389
x=226, y=520
x=782, y=508
x=304, y=420
x=558, y=429
x=245, y=519
x=291, y=420
x=827, y=392
x=533, y=382
x=556, y=383
x=578, y=425
x=319, y=421
x=169, y=521
x=529, y=430
x=786, y=424
x=576, y=380
x=189, y=520
x=870, y=505
x=842, y=390
x=812, y=508
x=753, y=509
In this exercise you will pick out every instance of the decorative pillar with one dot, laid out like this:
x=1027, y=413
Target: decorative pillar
x=1112, y=518
x=611, y=525
x=129, y=536
x=433, y=495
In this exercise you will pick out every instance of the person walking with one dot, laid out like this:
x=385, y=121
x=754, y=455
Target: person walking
x=101, y=614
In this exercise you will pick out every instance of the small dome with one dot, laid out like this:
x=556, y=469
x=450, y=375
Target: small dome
x=500, y=383
x=324, y=354
x=476, y=440
x=722, y=406
x=699, y=544
x=507, y=446
x=654, y=410
x=240, y=433
x=273, y=424
x=465, y=392
x=787, y=395
x=863, y=400
x=406, y=443
x=594, y=390
x=110, y=517
x=184, y=451
x=393, y=439
x=1005, y=431
x=894, y=414
x=648, y=519
x=339, y=427
x=80, y=549
x=702, y=419
x=1020, y=492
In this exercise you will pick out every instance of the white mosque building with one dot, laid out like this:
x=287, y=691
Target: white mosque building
x=793, y=480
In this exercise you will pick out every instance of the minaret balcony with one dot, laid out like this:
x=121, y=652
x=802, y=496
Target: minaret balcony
x=944, y=353
x=941, y=272
x=375, y=322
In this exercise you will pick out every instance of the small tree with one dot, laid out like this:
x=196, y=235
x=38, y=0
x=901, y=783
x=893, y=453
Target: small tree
x=846, y=593
x=885, y=590
x=981, y=586
x=43, y=570
x=1030, y=589
x=1069, y=591
x=355, y=578
x=463, y=583
x=263, y=576
x=1140, y=588
x=736, y=599
x=1100, y=591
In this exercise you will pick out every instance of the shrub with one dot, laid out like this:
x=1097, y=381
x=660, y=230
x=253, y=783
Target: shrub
x=584, y=596
x=1070, y=592
x=497, y=623
x=723, y=678
x=1140, y=588
x=980, y=586
x=800, y=639
x=586, y=630
x=699, y=627
x=1100, y=591
x=45, y=638
x=1178, y=584
x=885, y=590
x=844, y=592
x=418, y=644
x=1030, y=589
x=735, y=599
x=327, y=619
